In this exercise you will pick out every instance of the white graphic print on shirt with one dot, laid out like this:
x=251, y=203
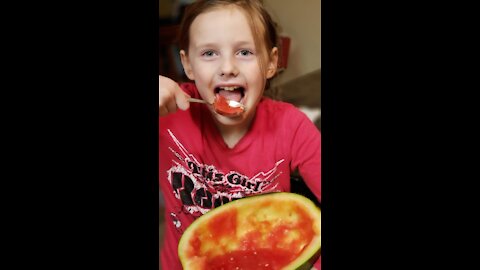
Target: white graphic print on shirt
x=201, y=187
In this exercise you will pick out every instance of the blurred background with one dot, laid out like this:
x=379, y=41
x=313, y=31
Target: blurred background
x=298, y=81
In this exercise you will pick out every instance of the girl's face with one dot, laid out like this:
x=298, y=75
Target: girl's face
x=223, y=60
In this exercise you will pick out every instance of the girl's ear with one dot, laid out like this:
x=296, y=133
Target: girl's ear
x=186, y=65
x=272, y=63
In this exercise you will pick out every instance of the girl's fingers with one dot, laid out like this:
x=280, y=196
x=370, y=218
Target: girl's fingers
x=171, y=106
x=182, y=100
x=171, y=97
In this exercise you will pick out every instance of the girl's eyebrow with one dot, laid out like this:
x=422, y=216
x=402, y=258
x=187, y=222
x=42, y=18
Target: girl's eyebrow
x=244, y=43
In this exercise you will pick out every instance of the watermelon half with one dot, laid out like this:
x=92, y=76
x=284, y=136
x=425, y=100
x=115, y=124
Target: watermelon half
x=278, y=230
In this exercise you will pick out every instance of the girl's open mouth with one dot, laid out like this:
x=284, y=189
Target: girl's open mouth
x=235, y=93
x=228, y=100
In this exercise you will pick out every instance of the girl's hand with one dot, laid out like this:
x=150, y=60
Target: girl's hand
x=171, y=96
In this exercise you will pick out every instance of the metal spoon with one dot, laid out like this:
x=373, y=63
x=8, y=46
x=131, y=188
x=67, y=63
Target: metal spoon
x=223, y=106
x=199, y=101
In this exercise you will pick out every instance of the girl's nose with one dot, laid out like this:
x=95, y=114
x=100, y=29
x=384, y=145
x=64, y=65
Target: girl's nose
x=228, y=68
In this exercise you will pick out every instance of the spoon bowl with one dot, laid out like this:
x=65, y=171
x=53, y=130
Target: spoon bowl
x=223, y=106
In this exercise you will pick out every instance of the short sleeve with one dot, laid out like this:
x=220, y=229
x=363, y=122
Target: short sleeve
x=306, y=153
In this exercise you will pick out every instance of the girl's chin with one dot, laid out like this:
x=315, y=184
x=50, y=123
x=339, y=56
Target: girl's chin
x=229, y=120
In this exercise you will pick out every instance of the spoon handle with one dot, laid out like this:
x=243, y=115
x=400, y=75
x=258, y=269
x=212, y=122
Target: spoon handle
x=197, y=100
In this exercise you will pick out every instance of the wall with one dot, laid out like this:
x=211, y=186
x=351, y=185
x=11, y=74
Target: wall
x=165, y=8
x=300, y=20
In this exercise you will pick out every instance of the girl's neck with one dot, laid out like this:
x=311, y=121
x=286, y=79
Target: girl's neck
x=233, y=134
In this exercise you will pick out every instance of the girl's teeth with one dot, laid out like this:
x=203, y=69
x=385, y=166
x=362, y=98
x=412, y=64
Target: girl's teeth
x=229, y=88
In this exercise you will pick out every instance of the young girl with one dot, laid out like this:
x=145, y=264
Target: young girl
x=228, y=48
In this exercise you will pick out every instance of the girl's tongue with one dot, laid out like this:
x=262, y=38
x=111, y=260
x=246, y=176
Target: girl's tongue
x=235, y=95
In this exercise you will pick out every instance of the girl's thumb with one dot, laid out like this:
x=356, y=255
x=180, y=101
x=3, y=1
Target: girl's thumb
x=182, y=100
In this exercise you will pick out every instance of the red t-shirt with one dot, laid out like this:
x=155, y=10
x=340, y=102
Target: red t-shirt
x=198, y=171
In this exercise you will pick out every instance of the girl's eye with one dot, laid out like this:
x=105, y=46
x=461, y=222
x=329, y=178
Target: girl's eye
x=208, y=53
x=245, y=52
